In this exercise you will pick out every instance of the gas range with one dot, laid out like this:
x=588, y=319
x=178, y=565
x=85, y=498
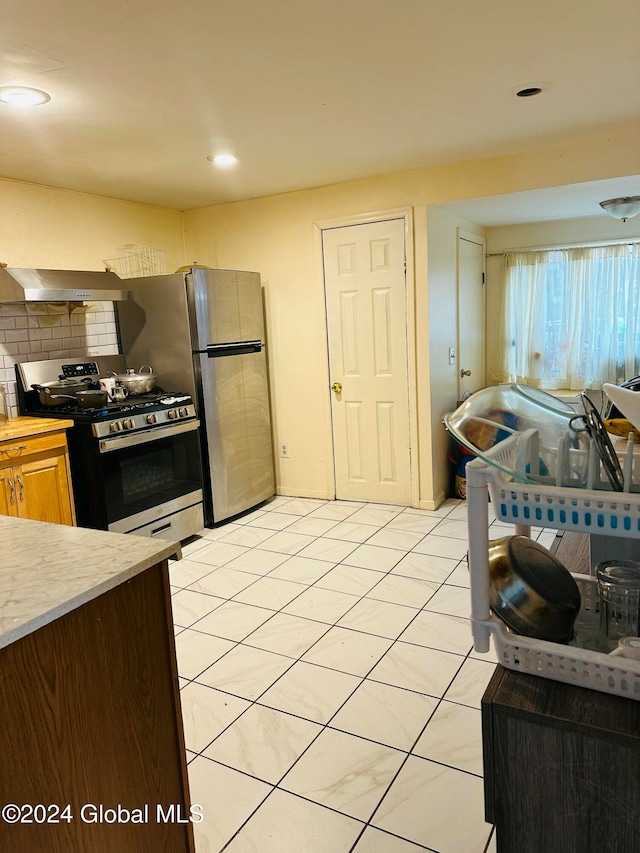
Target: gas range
x=138, y=411
x=135, y=463
x=144, y=414
x=141, y=412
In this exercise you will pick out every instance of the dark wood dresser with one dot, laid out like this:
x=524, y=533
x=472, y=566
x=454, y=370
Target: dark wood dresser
x=561, y=766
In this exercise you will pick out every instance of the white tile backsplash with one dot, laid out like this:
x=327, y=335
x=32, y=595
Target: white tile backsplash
x=33, y=331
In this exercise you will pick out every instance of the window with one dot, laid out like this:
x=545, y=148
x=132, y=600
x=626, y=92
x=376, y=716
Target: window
x=572, y=316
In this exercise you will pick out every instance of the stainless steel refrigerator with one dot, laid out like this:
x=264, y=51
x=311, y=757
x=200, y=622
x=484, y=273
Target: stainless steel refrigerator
x=202, y=332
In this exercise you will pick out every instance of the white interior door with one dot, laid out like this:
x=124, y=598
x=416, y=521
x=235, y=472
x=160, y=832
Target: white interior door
x=364, y=268
x=471, y=313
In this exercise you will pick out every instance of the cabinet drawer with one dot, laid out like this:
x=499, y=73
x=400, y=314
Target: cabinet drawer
x=18, y=448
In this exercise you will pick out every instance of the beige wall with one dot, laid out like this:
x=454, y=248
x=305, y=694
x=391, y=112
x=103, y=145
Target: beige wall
x=442, y=381
x=49, y=228
x=276, y=236
x=43, y=227
x=59, y=229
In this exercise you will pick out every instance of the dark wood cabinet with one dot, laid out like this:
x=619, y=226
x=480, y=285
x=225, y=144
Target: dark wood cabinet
x=561, y=765
x=90, y=714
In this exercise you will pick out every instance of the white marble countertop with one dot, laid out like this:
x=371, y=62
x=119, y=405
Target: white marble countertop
x=47, y=570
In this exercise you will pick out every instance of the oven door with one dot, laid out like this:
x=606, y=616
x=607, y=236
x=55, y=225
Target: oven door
x=151, y=475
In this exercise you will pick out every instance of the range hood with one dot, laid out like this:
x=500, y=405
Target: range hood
x=23, y=285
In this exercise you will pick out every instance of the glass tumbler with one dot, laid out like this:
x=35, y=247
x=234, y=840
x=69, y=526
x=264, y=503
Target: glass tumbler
x=619, y=591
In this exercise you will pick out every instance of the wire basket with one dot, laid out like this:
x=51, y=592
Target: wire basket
x=138, y=261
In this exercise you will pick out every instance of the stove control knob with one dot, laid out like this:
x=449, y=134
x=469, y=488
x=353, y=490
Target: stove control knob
x=183, y=412
x=115, y=426
x=172, y=414
x=151, y=419
x=128, y=423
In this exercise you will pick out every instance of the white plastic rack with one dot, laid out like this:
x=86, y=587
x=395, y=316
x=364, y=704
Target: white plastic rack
x=575, y=462
x=595, y=511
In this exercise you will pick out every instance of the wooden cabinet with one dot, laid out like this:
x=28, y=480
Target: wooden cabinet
x=91, y=717
x=7, y=489
x=561, y=766
x=35, y=479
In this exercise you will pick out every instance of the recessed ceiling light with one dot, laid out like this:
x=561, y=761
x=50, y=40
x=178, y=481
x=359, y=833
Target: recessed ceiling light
x=22, y=96
x=223, y=160
x=532, y=88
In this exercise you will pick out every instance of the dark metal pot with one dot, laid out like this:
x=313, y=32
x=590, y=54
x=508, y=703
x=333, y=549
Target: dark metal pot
x=91, y=399
x=85, y=399
x=532, y=591
x=55, y=393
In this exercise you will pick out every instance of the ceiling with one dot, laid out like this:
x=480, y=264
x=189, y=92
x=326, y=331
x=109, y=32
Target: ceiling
x=572, y=201
x=303, y=93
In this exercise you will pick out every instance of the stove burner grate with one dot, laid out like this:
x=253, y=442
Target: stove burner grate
x=156, y=400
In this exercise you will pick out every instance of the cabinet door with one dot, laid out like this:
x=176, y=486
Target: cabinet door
x=42, y=488
x=91, y=714
x=8, y=495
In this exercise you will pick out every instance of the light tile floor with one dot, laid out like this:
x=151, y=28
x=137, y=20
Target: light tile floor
x=330, y=693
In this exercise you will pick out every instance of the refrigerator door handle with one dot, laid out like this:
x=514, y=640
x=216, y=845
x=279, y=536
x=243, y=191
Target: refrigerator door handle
x=239, y=348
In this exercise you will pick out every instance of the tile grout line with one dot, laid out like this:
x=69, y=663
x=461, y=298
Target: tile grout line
x=323, y=728
x=329, y=625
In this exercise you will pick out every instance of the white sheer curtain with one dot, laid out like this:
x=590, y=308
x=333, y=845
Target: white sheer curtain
x=572, y=317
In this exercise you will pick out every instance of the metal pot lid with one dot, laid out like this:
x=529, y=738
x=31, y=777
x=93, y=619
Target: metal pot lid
x=66, y=382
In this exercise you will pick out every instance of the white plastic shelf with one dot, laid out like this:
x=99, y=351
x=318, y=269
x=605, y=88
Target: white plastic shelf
x=601, y=512
x=606, y=513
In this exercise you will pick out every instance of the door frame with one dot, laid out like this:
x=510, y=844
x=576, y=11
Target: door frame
x=405, y=214
x=479, y=240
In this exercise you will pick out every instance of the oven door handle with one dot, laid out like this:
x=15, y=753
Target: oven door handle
x=107, y=445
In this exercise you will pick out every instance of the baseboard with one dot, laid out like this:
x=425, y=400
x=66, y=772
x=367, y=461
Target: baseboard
x=433, y=505
x=320, y=495
x=303, y=493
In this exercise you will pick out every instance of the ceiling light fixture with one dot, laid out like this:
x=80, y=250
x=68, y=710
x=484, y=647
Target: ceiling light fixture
x=223, y=161
x=23, y=96
x=622, y=208
x=532, y=88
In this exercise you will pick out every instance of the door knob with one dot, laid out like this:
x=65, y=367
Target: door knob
x=465, y=373
x=337, y=387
